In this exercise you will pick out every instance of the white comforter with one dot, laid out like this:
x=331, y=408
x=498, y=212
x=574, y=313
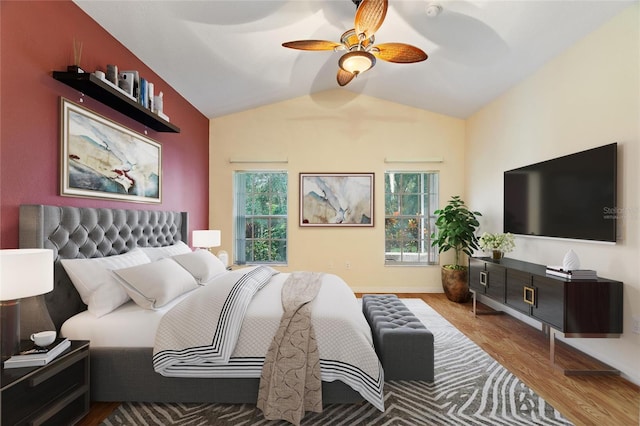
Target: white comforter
x=344, y=337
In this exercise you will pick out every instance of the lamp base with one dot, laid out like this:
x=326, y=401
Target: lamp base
x=9, y=328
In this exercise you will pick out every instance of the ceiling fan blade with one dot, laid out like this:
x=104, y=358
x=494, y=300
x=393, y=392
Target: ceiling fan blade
x=311, y=45
x=399, y=53
x=369, y=17
x=344, y=77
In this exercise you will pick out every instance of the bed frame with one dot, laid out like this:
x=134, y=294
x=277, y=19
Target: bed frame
x=126, y=374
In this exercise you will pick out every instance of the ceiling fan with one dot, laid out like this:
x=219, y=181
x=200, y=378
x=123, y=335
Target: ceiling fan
x=358, y=42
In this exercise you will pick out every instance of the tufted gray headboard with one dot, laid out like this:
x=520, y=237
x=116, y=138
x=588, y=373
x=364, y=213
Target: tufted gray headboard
x=77, y=232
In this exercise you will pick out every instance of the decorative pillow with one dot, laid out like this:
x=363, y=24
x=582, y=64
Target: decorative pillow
x=202, y=264
x=97, y=287
x=155, y=284
x=157, y=253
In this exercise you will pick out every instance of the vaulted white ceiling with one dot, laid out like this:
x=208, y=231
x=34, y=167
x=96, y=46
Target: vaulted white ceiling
x=226, y=56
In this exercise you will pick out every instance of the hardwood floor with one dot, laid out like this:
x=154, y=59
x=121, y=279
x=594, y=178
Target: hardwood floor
x=523, y=350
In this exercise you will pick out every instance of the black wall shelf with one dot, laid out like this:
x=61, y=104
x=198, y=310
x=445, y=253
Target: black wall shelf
x=94, y=87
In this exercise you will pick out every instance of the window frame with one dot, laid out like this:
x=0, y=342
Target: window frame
x=241, y=216
x=428, y=193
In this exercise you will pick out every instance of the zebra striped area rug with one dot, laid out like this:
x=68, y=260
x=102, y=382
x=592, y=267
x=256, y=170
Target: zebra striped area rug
x=470, y=388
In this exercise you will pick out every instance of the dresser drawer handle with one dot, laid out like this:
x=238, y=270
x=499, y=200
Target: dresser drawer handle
x=529, y=295
x=484, y=278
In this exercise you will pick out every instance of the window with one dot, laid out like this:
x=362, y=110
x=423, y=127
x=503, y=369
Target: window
x=410, y=198
x=260, y=217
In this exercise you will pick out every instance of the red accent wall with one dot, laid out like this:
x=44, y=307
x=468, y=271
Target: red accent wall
x=37, y=38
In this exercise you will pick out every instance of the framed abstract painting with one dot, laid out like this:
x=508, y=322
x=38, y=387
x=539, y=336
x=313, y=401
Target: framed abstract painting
x=102, y=159
x=336, y=199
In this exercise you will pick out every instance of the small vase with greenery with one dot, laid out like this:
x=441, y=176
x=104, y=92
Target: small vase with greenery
x=456, y=226
x=498, y=243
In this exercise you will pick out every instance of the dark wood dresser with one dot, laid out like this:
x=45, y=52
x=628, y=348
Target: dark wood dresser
x=576, y=308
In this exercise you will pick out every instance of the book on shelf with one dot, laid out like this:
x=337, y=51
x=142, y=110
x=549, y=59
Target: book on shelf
x=143, y=99
x=575, y=274
x=31, y=355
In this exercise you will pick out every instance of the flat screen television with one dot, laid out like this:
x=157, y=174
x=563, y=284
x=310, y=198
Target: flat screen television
x=573, y=196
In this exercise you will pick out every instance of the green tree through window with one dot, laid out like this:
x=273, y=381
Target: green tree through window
x=260, y=217
x=410, y=199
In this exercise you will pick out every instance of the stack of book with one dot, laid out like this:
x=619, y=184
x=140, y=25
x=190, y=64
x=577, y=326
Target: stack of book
x=574, y=274
x=31, y=355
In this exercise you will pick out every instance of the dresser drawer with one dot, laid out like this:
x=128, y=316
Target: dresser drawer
x=516, y=283
x=56, y=394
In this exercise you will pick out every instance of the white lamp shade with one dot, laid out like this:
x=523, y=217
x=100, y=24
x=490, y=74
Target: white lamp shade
x=25, y=273
x=206, y=238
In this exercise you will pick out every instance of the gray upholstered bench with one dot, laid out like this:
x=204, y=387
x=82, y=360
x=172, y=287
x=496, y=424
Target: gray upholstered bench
x=403, y=344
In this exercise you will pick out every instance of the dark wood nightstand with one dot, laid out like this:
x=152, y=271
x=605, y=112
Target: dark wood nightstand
x=56, y=393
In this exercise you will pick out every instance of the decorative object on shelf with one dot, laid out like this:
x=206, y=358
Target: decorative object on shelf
x=103, y=159
x=498, y=243
x=23, y=273
x=456, y=226
x=77, y=56
x=570, y=261
x=134, y=77
x=206, y=238
x=336, y=199
x=158, y=105
x=112, y=74
x=126, y=82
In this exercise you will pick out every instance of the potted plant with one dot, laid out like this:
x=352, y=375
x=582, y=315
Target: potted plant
x=456, y=226
x=498, y=243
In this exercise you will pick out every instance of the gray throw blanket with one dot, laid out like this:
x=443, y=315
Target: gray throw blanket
x=290, y=383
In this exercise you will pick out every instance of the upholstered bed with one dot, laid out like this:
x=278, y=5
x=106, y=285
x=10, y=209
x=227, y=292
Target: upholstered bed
x=124, y=373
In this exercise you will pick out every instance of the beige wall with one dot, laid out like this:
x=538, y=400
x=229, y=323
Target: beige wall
x=589, y=96
x=337, y=131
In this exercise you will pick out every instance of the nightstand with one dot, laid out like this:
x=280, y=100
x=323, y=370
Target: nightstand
x=56, y=393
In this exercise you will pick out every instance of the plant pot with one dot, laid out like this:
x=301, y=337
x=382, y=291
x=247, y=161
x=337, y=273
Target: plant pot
x=455, y=284
x=497, y=255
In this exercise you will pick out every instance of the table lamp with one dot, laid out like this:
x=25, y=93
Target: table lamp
x=23, y=273
x=208, y=239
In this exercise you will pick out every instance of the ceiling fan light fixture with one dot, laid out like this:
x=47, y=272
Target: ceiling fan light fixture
x=357, y=62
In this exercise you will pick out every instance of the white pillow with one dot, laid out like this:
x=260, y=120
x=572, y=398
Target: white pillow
x=97, y=287
x=202, y=264
x=155, y=284
x=157, y=253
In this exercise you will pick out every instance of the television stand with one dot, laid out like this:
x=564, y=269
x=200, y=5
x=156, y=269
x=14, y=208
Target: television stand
x=576, y=309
